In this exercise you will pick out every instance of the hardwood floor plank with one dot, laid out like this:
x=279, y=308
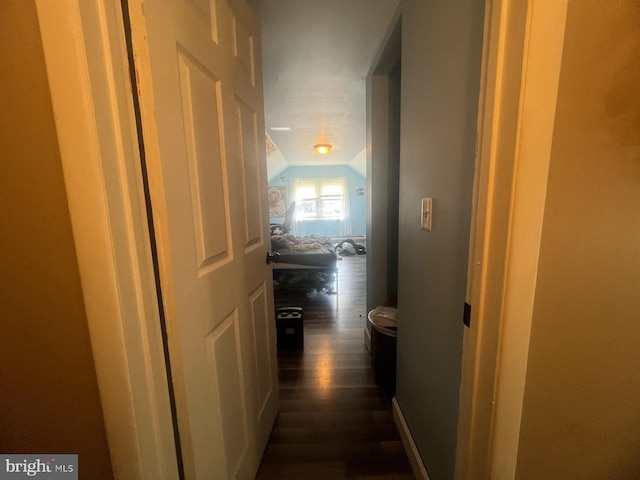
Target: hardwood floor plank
x=334, y=421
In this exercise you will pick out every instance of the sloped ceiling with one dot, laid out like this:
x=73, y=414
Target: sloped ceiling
x=316, y=57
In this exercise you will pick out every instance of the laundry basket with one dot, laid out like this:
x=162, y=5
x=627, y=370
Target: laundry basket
x=384, y=327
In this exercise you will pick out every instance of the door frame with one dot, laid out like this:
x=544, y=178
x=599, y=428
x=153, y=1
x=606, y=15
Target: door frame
x=88, y=70
x=523, y=44
x=379, y=140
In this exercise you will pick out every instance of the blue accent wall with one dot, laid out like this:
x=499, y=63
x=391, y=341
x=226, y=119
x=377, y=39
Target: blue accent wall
x=354, y=225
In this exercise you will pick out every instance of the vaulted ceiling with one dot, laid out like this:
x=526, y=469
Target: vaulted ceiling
x=316, y=57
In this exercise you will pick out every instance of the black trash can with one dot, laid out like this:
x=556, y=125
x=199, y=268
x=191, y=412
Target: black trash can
x=384, y=330
x=289, y=328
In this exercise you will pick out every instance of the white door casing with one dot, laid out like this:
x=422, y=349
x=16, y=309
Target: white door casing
x=199, y=86
x=521, y=71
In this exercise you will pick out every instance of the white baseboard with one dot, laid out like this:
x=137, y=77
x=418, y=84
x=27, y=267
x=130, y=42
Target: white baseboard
x=409, y=445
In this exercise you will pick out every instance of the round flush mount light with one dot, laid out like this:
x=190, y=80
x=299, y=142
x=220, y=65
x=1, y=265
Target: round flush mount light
x=322, y=148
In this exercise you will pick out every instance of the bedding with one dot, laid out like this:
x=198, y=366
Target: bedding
x=305, y=262
x=312, y=251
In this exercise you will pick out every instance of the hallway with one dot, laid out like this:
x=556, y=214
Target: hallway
x=334, y=422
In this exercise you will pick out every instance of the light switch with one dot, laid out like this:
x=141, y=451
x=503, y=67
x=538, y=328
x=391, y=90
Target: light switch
x=427, y=214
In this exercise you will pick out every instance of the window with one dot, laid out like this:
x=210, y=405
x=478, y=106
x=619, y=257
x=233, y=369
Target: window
x=319, y=199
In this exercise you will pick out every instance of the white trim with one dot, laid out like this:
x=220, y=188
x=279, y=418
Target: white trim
x=546, y=24
x=409, y=445
x=87, y=66
x=498, y=111
x=521, y=68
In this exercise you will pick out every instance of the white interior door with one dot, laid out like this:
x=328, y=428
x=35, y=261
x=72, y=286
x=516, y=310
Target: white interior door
x=199, y=80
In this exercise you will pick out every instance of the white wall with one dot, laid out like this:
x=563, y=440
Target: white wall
x=581, y=416
x=441, y=56
x=276, y=164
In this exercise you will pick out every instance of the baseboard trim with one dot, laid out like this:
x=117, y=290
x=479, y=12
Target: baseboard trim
x=409, y=445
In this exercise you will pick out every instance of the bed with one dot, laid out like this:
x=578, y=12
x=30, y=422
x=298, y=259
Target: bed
x=304, y=263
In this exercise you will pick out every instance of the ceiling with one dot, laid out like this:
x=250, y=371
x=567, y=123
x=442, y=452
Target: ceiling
x=316, y=57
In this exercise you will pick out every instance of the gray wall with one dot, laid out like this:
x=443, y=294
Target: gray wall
x=441, y=58
x=581, y=412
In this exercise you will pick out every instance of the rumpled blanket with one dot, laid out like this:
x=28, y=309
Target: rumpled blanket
x=290, y=243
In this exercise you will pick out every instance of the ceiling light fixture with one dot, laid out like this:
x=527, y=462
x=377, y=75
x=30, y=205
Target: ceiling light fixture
x=322, y=148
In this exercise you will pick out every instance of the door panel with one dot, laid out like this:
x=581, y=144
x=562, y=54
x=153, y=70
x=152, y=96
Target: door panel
x=202, y=114
x=243, y=50
x=247, y=128
x=201, y=95
x=264, y=364
x=226, y=366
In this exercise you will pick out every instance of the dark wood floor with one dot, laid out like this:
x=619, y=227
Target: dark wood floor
x=334, y=422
